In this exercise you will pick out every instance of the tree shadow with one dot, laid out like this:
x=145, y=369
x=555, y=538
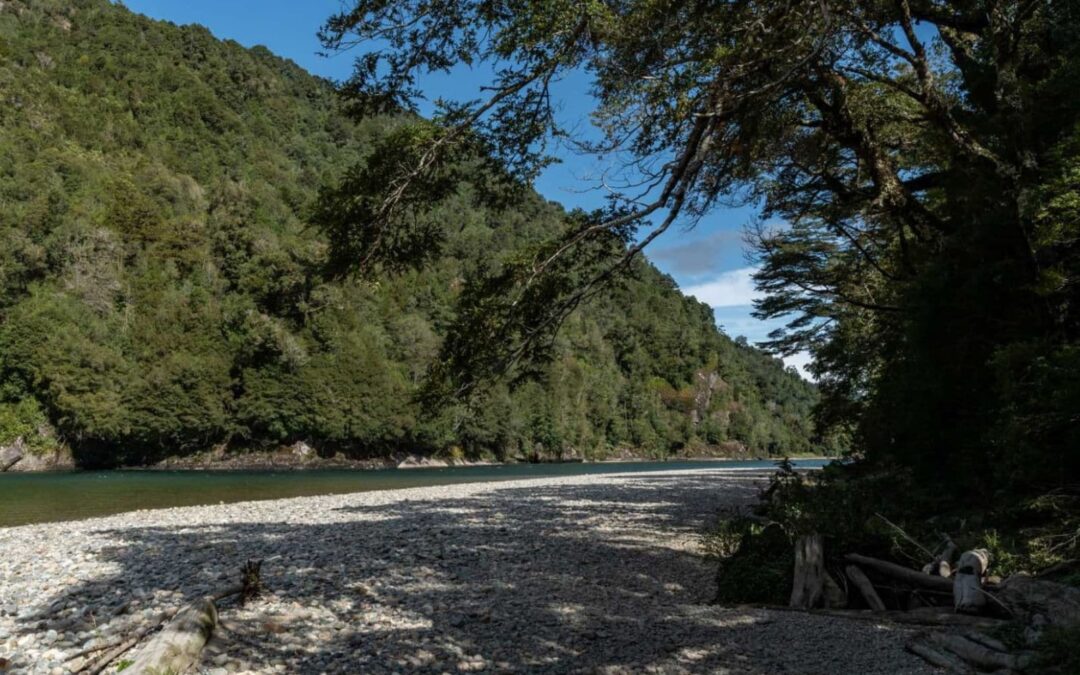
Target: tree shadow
x=560, y=578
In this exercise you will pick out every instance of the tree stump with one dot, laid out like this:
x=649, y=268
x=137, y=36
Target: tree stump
x=808, y=586
x=968, y=595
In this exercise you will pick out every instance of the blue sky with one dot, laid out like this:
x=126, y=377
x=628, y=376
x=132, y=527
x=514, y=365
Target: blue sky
x=708, y=262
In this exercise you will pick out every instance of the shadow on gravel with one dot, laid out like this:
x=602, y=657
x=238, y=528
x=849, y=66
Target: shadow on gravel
x=562, y=579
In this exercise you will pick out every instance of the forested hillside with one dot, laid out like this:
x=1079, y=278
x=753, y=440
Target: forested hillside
x=161, y=290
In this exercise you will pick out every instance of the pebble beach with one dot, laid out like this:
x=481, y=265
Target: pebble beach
x=583, y=574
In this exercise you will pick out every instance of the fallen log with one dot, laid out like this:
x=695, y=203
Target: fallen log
x=178, y=646
x=941, y=565
x=986, y=641
x=1060, y=569
x=835, y=597
x=968, y=594
x=901, y=573
x=808, y=585
x=939, y=658
x=866, y=589
x=115, y=650
x=976, y=654
x=920, y=617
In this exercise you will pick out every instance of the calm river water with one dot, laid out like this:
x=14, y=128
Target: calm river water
x=46, y=497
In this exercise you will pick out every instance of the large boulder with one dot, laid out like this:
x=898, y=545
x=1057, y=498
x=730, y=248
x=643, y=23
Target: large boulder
x=1028, y=597
x=53, y=460
x=302, y=450
x=421, y=462
x=11, y=454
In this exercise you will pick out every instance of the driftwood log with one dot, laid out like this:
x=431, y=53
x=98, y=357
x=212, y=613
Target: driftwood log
x=808, y=585
x=866, y=589
x=900, y=573
x=968, y=594
x=938, y=657
x=178, y=646
x=941, y=565
x=927, y=616
x=978, y=654
x=969, y=653
x=835, y=597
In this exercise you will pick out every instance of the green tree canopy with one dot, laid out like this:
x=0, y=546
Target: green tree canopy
x=921, y=155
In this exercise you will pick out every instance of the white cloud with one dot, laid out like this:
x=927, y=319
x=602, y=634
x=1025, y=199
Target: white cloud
x=799, y=361
x=731, y=294
x=734, y=288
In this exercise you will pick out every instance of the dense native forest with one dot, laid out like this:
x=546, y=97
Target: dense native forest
x=167, y=281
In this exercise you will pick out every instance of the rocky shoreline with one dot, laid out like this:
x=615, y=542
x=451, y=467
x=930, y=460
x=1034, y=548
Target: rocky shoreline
x=300, y=456
x=598, y=574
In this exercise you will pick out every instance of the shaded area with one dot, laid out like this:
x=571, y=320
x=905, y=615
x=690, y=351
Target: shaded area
x=592, y=577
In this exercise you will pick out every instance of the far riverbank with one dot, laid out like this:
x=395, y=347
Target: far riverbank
x=302, y=457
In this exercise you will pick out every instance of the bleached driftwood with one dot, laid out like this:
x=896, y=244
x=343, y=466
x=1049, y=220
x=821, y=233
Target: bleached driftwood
x=901, y=573
x=178, y=646
x=808, y=586
x=968, y=595
x=866, y=589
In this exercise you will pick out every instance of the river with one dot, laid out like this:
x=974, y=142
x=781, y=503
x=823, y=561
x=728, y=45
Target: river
x=49, y=497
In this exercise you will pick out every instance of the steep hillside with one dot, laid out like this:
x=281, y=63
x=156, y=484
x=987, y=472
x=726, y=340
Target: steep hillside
x=161, y=294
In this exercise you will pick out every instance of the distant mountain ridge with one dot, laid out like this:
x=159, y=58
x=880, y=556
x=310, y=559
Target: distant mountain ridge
x=160, y=291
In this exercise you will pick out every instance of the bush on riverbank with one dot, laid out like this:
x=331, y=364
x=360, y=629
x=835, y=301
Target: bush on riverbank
x=23, y=421
x=883, y=513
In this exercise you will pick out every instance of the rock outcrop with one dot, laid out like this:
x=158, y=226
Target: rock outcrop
x=10, y=455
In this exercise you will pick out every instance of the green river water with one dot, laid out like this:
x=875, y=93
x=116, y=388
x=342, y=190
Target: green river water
x=47, y=497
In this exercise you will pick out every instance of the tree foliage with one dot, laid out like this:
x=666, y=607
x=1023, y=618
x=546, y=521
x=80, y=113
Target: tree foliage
x=920, y=154
x=167, y=280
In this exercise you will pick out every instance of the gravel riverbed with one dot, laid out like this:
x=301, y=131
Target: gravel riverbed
x=584, y=574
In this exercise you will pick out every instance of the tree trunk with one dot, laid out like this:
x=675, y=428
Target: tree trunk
x=873, y=600
x=977, y=654
x=835, y=597
x=939, y=658
x=941, y=565
x=808, y=587
x=968, y=595
x=901, y=573
x=177, y=647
